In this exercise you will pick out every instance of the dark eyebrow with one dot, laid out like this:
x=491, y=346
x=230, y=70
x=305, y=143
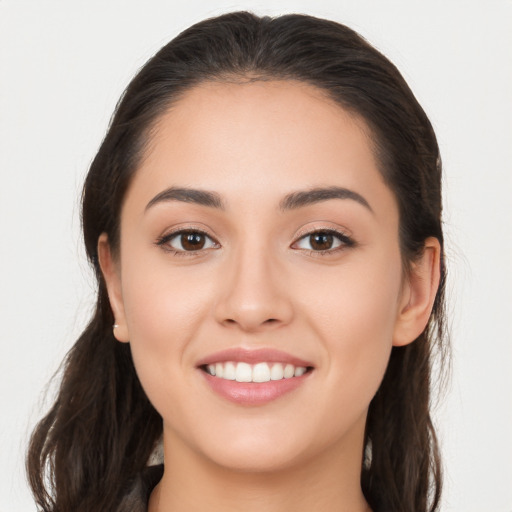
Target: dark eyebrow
x=316, y=195
x=187, y=195
x=292, y=201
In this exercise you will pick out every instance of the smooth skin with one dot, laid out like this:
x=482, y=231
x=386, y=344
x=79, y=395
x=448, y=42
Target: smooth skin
x=259, y=279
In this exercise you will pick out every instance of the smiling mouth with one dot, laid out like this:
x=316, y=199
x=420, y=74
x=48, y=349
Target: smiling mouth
x=257, y=373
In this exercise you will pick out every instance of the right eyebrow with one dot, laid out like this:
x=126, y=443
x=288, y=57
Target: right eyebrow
x=303, y=198
x=187, y=195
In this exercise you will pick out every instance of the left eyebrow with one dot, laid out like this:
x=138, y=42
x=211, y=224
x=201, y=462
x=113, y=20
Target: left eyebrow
x=187, y=195
x=303, y=198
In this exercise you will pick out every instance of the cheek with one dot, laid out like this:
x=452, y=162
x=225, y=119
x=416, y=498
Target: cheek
x=158, y=311
x=358, y=303
x=165, y=310
x=354, y=318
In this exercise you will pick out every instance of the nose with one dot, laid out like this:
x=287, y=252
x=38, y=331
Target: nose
x=254, y=294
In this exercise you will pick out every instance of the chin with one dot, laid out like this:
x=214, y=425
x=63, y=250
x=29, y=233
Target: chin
x=256, y=450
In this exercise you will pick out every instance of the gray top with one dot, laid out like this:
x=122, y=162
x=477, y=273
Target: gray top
x=140, y=490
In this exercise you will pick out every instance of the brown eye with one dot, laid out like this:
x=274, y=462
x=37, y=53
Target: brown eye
x=192, y=241
x=321, y=241
x=187, y=241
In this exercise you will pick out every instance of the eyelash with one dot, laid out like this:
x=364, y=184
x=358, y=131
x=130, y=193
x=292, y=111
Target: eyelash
x=164, y=240
x=345, y=241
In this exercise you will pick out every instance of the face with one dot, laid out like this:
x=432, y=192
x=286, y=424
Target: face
x=259, y=241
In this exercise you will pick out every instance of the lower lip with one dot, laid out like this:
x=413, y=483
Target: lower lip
x=253, y=393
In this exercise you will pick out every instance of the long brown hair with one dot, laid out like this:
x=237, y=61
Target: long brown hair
x=102, y=428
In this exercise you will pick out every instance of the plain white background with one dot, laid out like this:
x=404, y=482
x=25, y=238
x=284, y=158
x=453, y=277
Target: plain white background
x=63, y=66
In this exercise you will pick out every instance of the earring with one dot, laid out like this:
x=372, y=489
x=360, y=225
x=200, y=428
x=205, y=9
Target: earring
x=115, y=326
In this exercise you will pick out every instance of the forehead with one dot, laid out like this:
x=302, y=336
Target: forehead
x=259, y=115
x=259, y=138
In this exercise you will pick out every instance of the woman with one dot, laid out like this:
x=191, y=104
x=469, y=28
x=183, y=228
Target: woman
x=264, y=220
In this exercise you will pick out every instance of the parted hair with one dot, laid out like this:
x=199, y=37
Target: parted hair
x=99, y=433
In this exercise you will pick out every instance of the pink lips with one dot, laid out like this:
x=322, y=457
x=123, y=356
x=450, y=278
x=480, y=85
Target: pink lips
x=252, y=357
x=253, y=393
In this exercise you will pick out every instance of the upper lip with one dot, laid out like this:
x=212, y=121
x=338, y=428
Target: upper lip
x=253, y=356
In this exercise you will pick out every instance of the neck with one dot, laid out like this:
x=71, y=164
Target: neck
x=329, y=483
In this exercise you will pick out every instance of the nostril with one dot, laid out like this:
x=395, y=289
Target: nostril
x=268, y=321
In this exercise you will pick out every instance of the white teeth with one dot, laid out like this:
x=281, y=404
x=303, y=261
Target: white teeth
x=243, y=372
x=277, y=372
x=229, y=371
x=300, y=370
x=260, y=372
x=289, y=371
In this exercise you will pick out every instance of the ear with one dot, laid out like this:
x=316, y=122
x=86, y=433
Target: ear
x=418, y=294
x=112, y=275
